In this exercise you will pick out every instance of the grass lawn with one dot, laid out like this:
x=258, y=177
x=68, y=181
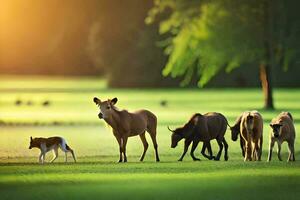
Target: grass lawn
x=98, y=176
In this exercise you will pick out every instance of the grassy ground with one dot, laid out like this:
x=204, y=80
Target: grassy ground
x=72, y=114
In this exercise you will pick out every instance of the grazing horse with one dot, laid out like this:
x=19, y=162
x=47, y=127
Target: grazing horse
x=283, y=129
x=235, y=132
x=202, y=128
x=127, y=124
x=250, y=125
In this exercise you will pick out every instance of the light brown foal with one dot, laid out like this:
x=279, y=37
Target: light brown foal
x=127, y=124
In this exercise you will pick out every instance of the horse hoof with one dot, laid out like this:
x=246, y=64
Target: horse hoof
x=196, y=159
x=226, y=159
x=217, y=159
x=180, y=160
x=212, y=158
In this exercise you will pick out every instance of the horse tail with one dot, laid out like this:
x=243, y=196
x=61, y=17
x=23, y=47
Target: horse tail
x=228, y=124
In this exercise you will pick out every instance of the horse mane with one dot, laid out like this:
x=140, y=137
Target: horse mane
x=191, y=121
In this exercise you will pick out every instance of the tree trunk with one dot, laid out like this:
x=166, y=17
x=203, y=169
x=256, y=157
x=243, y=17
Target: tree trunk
x=265, y=78
x=268, y=63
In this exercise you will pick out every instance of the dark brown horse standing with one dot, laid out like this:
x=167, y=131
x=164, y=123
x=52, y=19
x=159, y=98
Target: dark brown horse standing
x=202, y=128
x=235, y=133
x=126, y=124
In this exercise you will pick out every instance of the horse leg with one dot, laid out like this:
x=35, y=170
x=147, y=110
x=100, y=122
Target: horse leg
x=209, y=151
x=220, y=149
x=119, y=139
x=226, y=149
x=248, y=151
x=153, y=137
x=292, y=144
x=257, y=151
x=194, y=146
x=242, y=144
x=260, y=147
x=187, y=143
x=145, y=144
x=206, y=145
x=124, y=140
x=271, y=145
x=291, y=151
x=279, y=150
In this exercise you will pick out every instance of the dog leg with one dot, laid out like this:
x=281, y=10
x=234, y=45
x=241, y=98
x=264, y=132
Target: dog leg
x=40, y=158
x=72, y=152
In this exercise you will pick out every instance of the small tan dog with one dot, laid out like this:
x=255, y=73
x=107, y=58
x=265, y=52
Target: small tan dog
x=48, y=144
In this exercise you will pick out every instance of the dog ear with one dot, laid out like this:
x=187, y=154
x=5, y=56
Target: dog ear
x=97, y=101
x=30, y=138
x=114, y=101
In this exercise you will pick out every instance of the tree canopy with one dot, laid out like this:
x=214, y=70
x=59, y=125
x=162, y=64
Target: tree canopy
x=208, y=36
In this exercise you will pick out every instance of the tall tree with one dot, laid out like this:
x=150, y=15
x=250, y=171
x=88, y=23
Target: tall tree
x=209, y=36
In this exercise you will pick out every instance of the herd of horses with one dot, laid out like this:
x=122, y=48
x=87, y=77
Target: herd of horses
x=201, y=128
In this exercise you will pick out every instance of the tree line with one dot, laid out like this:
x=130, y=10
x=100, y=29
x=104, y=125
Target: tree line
x=156, y=43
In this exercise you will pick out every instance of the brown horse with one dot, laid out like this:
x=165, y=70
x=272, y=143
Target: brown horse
x=283, y=129
x=127, y=124
x=250, y=125
x=202, y=128
x=235, y=132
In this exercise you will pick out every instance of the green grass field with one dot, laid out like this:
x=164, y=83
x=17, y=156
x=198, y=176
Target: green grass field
x=72, y=114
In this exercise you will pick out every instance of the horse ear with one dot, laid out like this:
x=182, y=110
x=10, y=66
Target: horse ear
x=97, y=101
x=30, y=138
x=114, y=101
x=271, y=125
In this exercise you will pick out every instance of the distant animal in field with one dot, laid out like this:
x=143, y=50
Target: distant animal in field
x=164, y=103
x=282, y=129
x=46, y=103
x=48, y=144
x=203, y=128
x=127, y=124
x=29, y=103
x=251, y=130
x=18, y=102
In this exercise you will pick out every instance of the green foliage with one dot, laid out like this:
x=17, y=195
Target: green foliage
x=208, y=36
